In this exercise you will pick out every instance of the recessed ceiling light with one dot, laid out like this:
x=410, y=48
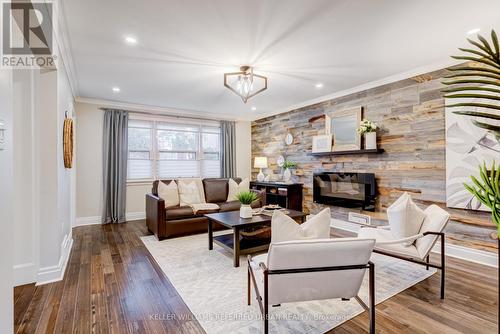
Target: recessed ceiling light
x=254, y=108
x=131, y=40
x=473, y=31
x=116, y=89
x=318, y=85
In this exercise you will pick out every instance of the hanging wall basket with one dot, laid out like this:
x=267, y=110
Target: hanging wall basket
x=68, y=142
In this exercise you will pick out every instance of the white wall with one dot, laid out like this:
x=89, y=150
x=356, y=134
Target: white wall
x=88, y=154
x=6, y=206
x=243, y=149
x=44, y=196
x=25, y=228
x=89, y=162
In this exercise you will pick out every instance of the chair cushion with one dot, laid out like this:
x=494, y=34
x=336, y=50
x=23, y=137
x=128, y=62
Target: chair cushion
x=317, y=253
x=435, y=220
x=169, y=193
x=235, y=188
x=179, y=212
x=405, y=217
x=189, y=192
x=215, y=190
x=284, y=228
x=229, y=206
x=386, y=235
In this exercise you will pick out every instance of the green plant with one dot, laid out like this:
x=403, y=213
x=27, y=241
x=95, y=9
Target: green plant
x=246, y=197
x=289, y=164
x=366, y=126
x=487, y=190
x=477, y=83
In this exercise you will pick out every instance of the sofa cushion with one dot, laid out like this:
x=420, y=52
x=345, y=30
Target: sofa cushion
x=197, y=181
x=179, y=212
x=229, y=206
x=154, y=189
x=169, y=193
x=215, y=190
x=235, y=188
x=189, y=192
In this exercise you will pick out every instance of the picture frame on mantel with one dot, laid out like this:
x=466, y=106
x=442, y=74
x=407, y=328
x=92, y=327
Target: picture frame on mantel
x=322, y=143
x=342, y=126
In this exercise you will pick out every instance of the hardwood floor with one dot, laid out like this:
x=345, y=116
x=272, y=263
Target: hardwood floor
x=113, y=285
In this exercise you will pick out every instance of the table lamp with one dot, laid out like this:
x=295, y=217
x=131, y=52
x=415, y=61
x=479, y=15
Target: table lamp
x=260, y=162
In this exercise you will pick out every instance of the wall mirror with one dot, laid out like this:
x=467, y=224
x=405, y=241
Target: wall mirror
x=342, y=125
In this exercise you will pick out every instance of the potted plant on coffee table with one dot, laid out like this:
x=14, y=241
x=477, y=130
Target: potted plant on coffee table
x=246, y=198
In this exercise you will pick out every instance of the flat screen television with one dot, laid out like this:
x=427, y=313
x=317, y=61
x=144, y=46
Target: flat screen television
x=349, y=190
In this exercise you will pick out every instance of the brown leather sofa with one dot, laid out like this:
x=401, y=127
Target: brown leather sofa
x=181, y=220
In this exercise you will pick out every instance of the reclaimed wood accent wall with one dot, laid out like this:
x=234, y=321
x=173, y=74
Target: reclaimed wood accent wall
x=411, y=115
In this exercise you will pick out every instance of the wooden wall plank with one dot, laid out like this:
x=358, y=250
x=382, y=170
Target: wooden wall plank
x=412, y=119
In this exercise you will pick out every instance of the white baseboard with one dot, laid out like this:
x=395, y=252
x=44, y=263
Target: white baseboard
x=456, y=251
x=24, y=273
x=56, y=273
x=94, y=220
x=83, y=221
x=135, y=216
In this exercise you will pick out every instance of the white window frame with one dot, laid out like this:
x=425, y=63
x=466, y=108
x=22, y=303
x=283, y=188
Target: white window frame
x=155, y=152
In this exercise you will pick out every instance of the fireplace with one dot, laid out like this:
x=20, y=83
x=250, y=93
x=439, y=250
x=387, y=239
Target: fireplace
x=349, y=190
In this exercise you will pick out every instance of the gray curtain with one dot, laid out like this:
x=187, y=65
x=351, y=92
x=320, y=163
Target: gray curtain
x=114, y=167
x=228, y=149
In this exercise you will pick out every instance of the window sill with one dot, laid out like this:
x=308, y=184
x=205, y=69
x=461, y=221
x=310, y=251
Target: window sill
x=140, y=182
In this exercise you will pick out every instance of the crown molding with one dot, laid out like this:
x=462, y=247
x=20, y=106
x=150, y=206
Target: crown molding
x=148, y=109
x=369, y=85
x=65, y=49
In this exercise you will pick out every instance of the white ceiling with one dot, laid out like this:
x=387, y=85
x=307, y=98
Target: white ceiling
x=184, y=47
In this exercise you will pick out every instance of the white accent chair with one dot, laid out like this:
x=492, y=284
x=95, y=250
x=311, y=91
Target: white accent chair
x=303, y=270
x=416, y=248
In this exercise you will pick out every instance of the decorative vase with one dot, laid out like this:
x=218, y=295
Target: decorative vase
x=371, y=141
x=245, y=211
x=287, y=175
x=260, y=176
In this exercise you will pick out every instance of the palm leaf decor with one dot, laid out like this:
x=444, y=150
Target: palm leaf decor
x=477, y=84
x=487, y=190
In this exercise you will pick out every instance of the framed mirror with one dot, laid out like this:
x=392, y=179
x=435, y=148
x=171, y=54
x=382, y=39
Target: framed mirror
x=342, y=125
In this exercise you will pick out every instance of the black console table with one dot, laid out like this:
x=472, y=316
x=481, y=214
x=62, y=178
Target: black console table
x=286, y=195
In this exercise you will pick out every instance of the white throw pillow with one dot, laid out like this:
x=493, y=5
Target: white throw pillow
x=405, y=217
x=235, y=188
x=169, y=193
x=189, y=193
x=284, y=228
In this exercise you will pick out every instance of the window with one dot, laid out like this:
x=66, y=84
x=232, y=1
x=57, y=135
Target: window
x=161, y=149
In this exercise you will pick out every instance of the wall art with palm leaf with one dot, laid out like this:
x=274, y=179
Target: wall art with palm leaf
x=472, y=98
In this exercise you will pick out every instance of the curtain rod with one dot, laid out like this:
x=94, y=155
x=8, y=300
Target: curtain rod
x=168, y=115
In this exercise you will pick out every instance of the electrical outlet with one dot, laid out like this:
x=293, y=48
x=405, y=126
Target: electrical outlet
x=359, y=218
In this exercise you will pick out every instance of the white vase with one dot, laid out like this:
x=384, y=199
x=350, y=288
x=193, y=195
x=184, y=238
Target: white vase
x=371, y=141
x=245, y=211
x=287, y=175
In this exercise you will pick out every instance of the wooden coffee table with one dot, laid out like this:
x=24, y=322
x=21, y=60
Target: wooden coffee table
x=232, y=242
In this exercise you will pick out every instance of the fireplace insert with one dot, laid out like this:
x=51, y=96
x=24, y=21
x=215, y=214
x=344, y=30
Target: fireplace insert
x=349, y=190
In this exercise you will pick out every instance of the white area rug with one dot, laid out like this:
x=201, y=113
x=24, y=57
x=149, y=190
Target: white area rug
x=215, y=291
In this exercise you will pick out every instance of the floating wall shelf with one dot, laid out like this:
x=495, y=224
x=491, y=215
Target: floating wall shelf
x=325, y=154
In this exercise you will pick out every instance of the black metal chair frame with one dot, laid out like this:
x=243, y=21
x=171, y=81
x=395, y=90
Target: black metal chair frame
x=425, y=263
x=263, y=301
